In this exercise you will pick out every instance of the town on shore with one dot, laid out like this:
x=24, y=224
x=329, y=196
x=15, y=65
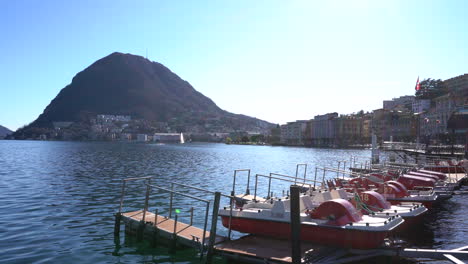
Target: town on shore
x=436, y=114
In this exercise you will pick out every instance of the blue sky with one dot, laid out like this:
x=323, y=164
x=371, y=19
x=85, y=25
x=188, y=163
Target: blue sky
x=275, y=60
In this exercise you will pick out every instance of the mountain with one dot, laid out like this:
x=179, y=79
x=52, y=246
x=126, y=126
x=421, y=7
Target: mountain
x=4, y=131
x=125, y=84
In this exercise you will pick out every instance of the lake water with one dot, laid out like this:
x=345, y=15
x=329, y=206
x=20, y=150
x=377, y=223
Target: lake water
x=58, y=199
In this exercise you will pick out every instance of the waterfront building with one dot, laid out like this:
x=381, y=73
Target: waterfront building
x=403, y=126
x=392, y=125
x=366, y=129
x=142, y=137
x=348, y=130
x=126, y=136
x=421, y=105
x=433, y=123
x=458, y=126
x=168, y=137
x=293, y=133
x=401, y=103
x=309, y=133
x=324, y=129
x=381, y=124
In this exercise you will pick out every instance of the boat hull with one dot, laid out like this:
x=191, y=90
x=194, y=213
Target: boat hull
x=321, y=234
x=395, y=201
x=410, y=222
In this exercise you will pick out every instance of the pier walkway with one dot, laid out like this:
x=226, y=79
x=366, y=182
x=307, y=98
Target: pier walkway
x=185, y=234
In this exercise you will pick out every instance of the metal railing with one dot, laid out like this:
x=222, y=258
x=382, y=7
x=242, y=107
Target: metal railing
x=124, y=184
x=172, y=192
x=247, y=191
x=305, y=169
x=212, y=192
x=270, y=177
x=344, y=172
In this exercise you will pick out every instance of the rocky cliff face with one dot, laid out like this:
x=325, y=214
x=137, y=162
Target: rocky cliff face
x=125, y=84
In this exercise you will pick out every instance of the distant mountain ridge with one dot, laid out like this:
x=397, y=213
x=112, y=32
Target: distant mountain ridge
x=125, y=84
x=4, y=131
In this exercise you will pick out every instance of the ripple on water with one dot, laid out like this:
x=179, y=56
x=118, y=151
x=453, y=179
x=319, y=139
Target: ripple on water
x=58, y=198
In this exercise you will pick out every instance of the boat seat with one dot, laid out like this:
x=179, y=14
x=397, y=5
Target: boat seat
x=287, y=205
x=278, y=209
x=339, y=194
x=307, y=202
x=321, y=197
x=258, y=206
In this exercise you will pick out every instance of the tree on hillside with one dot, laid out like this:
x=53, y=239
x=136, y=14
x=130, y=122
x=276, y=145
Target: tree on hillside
x=431, y=88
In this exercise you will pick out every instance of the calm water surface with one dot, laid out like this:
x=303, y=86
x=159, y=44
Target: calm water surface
x=58, y=198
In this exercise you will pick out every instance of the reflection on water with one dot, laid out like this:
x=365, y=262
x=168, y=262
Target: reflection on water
x=58, y=198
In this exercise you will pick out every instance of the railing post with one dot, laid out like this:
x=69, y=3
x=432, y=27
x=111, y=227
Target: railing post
x=247, y=191
x=305, y=173
x=315, y=177
x=344, y=169
x=122, y=196
x=191, y=215
x=323, y=177
x=118, y=217
x=269, y=186
x=140, y=230
x=297, y=171
x=145, y=209
x=214, y=222
x=170, y=200
x=230, y=219
x=233, y=185
x=256, y=185
x=174, y=236
x=295, y=225
x=204, y=228
x=338, y=171
x=155, y=232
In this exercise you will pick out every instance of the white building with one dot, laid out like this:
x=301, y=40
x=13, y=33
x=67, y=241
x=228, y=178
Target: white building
x=113, y=118
x=125, y=136
x=142, y=137
x=421, y=105
x=399, y=103
x=168, y=137
x=293, y=133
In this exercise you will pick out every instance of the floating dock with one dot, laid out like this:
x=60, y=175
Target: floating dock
x=251, y=248
x=185, y=234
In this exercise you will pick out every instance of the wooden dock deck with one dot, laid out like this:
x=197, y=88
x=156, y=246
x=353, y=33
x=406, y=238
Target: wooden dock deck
x=263, y=249
x=188, y=235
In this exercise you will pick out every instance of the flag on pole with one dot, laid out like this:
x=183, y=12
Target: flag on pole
x=417, y=85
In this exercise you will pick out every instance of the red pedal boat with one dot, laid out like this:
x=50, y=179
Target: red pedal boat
x=327, y=221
